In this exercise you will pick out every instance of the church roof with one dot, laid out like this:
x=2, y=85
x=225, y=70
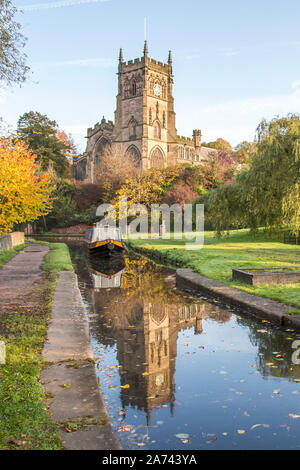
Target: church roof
x=207, y=152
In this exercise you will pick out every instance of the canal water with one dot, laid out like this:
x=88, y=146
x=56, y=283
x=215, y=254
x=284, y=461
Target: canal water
x=182, y=371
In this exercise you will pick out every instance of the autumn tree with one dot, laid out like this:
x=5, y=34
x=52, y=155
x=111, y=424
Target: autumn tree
x=218, y=169
x=25, y=191
x=114, y=168
x=149, y=187
x=13, y=68
x=71, y=150
x=42, y=136
x=181, y=193
x=243, y=151
x=219, y=144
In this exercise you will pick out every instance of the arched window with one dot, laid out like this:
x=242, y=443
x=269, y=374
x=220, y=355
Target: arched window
x=132, y=128
x=133, y=88
x=102, y=147
x=134, y=153
x=157, y=158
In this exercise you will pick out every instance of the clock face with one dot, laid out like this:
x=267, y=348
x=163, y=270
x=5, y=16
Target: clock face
x=157, y=89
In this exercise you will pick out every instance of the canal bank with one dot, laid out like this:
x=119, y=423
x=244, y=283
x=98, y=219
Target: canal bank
x=74, y=398
x=260, y=306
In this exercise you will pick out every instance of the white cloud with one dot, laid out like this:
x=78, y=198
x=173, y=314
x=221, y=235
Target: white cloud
x=59, y=4
x=296, y=84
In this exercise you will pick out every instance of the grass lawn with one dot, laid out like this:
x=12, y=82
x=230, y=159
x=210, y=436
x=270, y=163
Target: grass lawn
x=25, y=422
x=238, y=250
x=7, y=255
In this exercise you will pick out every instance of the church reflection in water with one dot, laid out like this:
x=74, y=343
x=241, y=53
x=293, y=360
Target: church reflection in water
x=142, y=314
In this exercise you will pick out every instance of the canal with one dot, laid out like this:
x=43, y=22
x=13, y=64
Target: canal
x=182, y=371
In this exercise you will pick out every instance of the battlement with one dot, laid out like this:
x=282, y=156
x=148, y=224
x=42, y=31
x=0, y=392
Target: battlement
x=132, y=64
x=141, y=62
x=159, y=66
x=185, y=140
x=104, y=124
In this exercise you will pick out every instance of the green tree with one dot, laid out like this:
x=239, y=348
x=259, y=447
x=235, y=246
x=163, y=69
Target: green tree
x=41, y=135
x=267, y=192
x=13, y=68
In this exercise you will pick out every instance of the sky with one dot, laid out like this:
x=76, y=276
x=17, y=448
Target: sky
x=234, y=62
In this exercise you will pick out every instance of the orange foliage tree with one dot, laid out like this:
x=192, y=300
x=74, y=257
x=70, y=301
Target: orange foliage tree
x=25, y=191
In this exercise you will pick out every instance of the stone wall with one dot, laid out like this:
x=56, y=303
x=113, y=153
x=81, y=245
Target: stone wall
x=10, y=240
x=80, y=228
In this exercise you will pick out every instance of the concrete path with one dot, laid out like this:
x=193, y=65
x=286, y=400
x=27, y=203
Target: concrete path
x=17, y=277
x=260, y=306
x=70, y=380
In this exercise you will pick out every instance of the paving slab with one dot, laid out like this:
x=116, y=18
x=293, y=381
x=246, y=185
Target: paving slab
x=73, y=391
x=70, y=380
x=68, y=332
x=93, y=438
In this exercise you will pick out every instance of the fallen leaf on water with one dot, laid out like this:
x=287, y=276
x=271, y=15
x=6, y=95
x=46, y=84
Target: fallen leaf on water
x=182, y=436
x=285, y=426
x=125, y=386
x=257, y=425
x=145, y=373
x=241, y=431
x=262, y=331
x=185, y=441
x=277, y=392
x=292, y=415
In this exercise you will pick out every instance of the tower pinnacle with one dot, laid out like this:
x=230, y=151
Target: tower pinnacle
x=121, y=55
x=170, y=58
x=145, y=48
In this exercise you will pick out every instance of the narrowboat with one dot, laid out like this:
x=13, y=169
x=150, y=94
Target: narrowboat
x=104, y=240
x=107, y=274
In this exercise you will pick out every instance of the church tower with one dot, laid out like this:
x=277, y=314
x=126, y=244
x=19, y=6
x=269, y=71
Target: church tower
x=144, y=117
x=144, y=124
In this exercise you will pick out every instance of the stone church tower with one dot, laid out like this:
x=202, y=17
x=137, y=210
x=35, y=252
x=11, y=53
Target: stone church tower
x=144, y=125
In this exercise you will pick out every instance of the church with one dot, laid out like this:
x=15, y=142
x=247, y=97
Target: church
x=144, y=122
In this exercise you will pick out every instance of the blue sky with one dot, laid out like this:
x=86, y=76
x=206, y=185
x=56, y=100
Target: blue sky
x=235, y=61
